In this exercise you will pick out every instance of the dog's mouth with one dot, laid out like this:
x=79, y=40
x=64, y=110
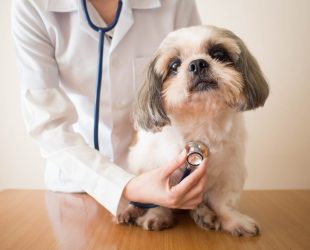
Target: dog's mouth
x=203, y=85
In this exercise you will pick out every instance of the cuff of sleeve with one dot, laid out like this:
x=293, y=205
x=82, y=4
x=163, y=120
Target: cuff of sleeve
x=94, y=174
x=108, y=191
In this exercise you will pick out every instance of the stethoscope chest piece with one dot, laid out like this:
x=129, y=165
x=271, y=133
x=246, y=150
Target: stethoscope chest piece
x=196, y=153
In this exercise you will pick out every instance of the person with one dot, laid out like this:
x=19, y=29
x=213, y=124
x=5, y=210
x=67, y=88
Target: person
x=57, y=55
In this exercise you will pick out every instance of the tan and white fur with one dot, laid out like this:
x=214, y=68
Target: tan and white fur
x=198, y=83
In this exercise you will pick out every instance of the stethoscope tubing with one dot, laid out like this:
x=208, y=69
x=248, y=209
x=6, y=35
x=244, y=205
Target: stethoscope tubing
x=101, y=31
x=98, y=90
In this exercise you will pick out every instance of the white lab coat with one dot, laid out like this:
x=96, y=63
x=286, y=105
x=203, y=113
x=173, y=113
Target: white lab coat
x=57, y=54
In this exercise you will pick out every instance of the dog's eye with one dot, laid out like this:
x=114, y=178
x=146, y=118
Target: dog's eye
x=174, y=65
x=219, y=54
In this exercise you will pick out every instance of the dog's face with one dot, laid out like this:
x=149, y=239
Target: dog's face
x=195, y=67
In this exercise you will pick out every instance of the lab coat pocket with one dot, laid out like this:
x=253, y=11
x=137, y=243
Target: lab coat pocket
x=140, y=70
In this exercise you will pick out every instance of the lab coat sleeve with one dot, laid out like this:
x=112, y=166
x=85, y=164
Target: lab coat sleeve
x=187, y=14
x=49, y=113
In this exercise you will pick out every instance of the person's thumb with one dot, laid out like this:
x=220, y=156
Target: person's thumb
x=177, y=163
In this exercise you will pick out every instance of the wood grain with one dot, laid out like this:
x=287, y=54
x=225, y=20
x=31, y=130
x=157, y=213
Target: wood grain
x=47, y=220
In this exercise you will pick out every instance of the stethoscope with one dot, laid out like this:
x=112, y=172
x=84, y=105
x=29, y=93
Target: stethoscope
x=197, y=151
x=101, y=31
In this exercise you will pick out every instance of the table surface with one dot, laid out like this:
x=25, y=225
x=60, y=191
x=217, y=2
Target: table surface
x=46, y=220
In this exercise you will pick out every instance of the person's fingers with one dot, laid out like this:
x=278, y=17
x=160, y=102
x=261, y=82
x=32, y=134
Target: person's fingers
x=191, y=205
x=193, y=197
x=177, y=163
x=185, y=185
x=196, y=191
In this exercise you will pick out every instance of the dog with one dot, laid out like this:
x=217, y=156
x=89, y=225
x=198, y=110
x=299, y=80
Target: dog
x=198, y=83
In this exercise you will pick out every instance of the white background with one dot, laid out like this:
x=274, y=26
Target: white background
x=277, y=33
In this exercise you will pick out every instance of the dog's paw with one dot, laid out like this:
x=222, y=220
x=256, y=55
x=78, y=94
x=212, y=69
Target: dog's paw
x=241, y=225
x=205, y=218
x=156, y=223
x=129, y=215
x=156, y=219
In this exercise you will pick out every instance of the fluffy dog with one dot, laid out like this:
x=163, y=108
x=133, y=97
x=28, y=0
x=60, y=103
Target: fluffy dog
x=198, y=83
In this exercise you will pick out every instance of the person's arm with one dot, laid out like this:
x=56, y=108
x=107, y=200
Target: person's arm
x=155, y=187
x=49, y=114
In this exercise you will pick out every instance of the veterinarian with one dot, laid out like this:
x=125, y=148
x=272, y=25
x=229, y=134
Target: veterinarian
x=57, y=54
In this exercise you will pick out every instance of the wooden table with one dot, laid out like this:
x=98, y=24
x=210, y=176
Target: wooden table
x=46, y=220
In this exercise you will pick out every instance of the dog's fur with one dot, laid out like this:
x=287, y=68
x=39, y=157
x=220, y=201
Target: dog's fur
x=175, y=106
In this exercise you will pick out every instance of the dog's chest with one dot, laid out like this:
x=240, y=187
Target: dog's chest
x=155, y=150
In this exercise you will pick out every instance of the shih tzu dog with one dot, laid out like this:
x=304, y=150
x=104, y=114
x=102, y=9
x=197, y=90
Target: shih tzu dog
x=198, y=83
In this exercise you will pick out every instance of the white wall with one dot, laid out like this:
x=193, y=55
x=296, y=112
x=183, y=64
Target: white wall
x=277, y=32
x=20, y=163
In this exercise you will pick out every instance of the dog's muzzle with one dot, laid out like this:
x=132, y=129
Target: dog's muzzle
x=200, y=80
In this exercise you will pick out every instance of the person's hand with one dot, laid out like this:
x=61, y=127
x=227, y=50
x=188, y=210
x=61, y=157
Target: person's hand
x=154, y=186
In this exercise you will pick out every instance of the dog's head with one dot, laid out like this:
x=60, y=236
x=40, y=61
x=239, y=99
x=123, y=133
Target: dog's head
x=198, y=65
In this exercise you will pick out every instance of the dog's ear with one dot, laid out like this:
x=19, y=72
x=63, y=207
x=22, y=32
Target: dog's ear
x=255, y=89
x=149, y=113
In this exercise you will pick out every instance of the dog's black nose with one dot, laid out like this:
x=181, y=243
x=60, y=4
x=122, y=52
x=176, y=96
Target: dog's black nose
x=197, y=66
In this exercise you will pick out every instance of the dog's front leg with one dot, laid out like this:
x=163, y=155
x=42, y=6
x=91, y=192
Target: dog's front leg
x=236, y=223
x=129, y=215
x=228, y=218
x=205, y=217
x=156, y=219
